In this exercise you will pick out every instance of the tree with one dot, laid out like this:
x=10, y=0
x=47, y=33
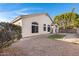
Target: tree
x=67, y=20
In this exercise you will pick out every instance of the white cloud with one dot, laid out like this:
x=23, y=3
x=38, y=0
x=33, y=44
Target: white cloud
x=26, y=9
x=7, y=16
x=4, y=20
x=21, y=11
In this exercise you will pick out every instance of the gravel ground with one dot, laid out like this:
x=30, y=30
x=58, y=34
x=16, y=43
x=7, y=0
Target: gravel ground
x=41, y=46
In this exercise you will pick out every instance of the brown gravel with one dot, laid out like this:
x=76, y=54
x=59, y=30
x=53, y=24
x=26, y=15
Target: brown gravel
x=42, y=46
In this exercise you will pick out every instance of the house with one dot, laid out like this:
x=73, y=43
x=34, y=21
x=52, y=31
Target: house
x=34, y=24
x=17, y=21
x=55, y=28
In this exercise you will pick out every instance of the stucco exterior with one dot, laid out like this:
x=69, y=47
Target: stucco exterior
x=40, y=19
x=26, y=22
x=17, y=21
x=55, y=29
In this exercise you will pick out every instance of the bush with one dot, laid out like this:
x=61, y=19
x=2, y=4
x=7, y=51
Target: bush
x=56, y=36
x=9, y=32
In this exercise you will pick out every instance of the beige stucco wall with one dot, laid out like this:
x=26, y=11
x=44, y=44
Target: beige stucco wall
x=55, y=29
x=27, y=25
x=19, y=22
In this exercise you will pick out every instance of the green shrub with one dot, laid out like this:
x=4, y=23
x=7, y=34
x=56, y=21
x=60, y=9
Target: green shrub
x=9, y=32
x=56, y=36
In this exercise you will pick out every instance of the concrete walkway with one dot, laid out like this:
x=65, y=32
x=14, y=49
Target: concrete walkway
x=71, y=37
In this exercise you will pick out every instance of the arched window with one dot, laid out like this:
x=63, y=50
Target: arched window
x=34, y=27
x=44, y=27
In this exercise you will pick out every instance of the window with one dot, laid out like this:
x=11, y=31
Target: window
x=44, y=27
x=34, y=27
x=48, y=28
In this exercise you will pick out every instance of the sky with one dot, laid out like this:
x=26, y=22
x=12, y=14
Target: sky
x=9, y=11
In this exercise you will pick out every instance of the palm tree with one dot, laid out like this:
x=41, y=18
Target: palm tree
x=71, y=13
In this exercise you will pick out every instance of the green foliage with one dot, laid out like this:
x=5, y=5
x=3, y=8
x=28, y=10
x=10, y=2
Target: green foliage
x=56, y=36
x=67, y=20
x=9, y=32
